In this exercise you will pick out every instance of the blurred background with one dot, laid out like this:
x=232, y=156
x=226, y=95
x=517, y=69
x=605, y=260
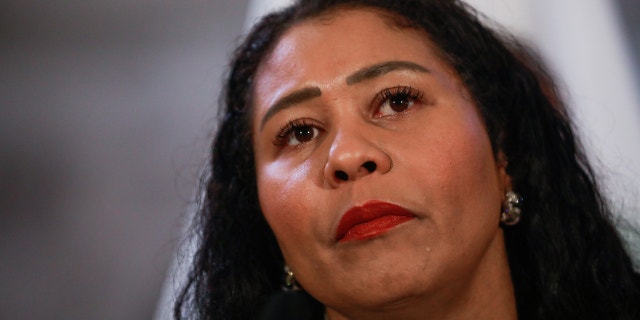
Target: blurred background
x=106, y=112
x=107, y=109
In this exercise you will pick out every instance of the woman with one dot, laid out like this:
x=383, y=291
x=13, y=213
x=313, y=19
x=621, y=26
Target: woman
x=400, y=161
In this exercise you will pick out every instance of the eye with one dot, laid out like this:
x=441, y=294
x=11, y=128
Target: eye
x=297, y=132
x=395, y=100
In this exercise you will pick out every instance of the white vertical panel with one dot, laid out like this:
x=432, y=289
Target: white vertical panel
x=258, y=8
x=583, y=43
x=582, y=40
x=514, y=15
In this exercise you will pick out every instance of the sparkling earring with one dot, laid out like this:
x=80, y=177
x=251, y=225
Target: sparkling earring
x=290, y=283
x=511, y=209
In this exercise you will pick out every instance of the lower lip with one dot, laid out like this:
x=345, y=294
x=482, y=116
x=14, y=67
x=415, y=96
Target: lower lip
x=374, y=227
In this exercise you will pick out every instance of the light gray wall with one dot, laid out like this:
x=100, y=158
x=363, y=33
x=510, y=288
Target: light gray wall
x=105, y=113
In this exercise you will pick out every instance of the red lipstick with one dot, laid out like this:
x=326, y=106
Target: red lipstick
x=370, y=220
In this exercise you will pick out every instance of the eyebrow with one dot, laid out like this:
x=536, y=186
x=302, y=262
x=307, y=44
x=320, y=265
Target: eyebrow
x=289, y=100
x=363, y=74
x=380, y=69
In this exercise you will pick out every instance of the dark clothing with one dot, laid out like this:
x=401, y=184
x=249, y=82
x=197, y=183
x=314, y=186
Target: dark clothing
x=290, y=305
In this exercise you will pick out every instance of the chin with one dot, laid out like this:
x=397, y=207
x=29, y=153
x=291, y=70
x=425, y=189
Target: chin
x=383, y=285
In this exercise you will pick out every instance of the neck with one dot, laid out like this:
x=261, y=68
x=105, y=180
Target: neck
x=488, y=294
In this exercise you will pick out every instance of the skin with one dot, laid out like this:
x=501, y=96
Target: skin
x=433, y=158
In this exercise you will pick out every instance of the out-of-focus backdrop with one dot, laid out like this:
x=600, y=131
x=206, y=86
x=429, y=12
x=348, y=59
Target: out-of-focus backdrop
x=106, y=108
x=106, y=111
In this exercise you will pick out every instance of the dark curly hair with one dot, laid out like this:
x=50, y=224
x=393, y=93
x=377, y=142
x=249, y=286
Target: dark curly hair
x=566, y=258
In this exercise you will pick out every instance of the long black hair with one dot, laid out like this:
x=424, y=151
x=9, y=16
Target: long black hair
x=566, y=258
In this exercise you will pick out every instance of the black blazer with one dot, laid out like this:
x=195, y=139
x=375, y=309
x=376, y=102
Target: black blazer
x=290, y=305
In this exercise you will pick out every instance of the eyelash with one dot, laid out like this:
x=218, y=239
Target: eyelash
x=284, y=134
x=407, y=93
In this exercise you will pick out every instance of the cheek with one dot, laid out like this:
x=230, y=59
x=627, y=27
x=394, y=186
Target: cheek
x=457, y=169
x=474, y=190
x=468, y=153
x=284, y=194
x=470, y=163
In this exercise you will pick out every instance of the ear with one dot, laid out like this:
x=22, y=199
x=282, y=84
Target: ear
x=504, y=178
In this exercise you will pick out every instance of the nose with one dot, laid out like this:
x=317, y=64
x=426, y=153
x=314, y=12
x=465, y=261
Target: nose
x=354, y=155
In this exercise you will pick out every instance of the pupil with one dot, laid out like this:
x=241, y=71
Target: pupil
x=304, y=133
x=399, y=104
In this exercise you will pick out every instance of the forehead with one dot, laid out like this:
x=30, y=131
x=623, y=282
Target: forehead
x=322, y=51
x=338, y=35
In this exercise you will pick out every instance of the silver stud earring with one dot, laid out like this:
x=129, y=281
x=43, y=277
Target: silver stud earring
x=511, y=209
x=290, y=283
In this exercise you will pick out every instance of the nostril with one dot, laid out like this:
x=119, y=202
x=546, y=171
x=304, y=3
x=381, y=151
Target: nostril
x=370, y=166
x=342, y=175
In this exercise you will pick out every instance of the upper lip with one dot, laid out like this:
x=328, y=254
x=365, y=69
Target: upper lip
x=369, y=211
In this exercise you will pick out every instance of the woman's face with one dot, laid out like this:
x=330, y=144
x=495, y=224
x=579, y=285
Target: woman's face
x=374, y=168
